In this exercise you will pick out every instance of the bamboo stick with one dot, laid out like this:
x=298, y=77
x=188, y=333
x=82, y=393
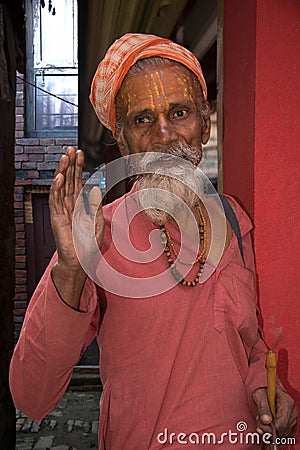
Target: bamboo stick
x=271, y=384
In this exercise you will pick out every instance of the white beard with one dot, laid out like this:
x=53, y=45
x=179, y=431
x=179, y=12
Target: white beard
x=169, y=182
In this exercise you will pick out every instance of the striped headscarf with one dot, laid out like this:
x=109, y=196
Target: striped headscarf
x=121, y=55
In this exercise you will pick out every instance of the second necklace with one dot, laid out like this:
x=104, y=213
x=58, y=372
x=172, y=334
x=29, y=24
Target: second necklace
x=169, y=247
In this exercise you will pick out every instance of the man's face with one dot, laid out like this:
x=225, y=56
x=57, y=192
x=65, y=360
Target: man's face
x=158, y=109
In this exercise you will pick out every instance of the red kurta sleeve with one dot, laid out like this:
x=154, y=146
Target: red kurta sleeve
x=52, y=340
x=248, y=314
x=257, y=373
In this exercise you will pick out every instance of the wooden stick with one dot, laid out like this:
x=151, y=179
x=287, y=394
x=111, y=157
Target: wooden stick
x=271, y=383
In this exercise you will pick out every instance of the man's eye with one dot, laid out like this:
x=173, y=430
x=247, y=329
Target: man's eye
x=179, y=114
x=142, y=120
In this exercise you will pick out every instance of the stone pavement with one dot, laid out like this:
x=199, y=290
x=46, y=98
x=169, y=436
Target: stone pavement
x=72, y=425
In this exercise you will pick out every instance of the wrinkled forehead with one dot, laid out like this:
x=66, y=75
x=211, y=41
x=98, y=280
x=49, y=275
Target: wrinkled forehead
x=157, y=85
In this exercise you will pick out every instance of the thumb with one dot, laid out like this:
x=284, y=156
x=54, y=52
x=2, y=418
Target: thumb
x=260, y=398
x=95, y=201
x=95, y=206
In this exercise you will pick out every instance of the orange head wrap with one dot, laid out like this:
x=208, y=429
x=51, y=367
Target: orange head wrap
x=121, y=55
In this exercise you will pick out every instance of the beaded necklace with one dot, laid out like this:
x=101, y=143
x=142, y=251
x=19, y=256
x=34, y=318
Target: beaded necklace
x=168, y=245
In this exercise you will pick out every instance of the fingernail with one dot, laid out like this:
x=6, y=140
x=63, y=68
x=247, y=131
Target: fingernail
x=259, y=430
x=58, y=176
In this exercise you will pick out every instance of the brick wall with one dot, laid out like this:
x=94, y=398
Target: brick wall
x=35, y=162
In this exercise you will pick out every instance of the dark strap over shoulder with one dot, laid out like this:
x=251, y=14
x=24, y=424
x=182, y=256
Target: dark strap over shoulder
x=232, y=219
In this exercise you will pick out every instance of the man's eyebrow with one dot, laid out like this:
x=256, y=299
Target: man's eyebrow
x=137, y=113
x=183, y=104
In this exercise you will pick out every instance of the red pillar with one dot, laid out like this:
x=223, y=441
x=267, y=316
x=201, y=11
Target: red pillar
x=261, y=149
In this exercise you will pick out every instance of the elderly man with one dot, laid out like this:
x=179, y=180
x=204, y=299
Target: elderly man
x=182, y=360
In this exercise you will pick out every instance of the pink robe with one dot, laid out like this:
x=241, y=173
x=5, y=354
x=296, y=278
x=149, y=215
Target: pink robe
x=184, y=361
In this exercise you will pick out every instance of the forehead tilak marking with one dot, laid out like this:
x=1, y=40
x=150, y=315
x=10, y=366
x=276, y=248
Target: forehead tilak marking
x=162, y=89
x=129, y=100
x=156, y=90
x=153, y=86
x=148, y=86
x=187, y=87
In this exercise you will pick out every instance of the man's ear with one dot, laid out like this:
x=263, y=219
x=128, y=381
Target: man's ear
x=205, y=130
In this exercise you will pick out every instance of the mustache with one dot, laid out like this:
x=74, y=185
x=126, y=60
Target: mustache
x=166, y=158
x=180, y=149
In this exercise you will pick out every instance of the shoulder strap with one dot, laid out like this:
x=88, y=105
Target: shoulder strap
x=232, y=219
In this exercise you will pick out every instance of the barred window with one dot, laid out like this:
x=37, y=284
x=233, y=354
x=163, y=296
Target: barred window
x=52, y=67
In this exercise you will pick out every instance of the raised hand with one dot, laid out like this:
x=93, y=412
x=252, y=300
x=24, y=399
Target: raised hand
x=67, y=274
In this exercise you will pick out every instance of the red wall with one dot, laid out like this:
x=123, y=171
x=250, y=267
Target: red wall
x=239, y=100
x=261, y=151
x=276, y=178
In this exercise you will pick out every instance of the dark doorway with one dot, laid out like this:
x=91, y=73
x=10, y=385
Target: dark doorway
x=41, y=246
x=44, y=244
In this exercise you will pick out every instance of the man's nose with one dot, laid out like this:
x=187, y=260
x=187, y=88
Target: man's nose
x=164, y=132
